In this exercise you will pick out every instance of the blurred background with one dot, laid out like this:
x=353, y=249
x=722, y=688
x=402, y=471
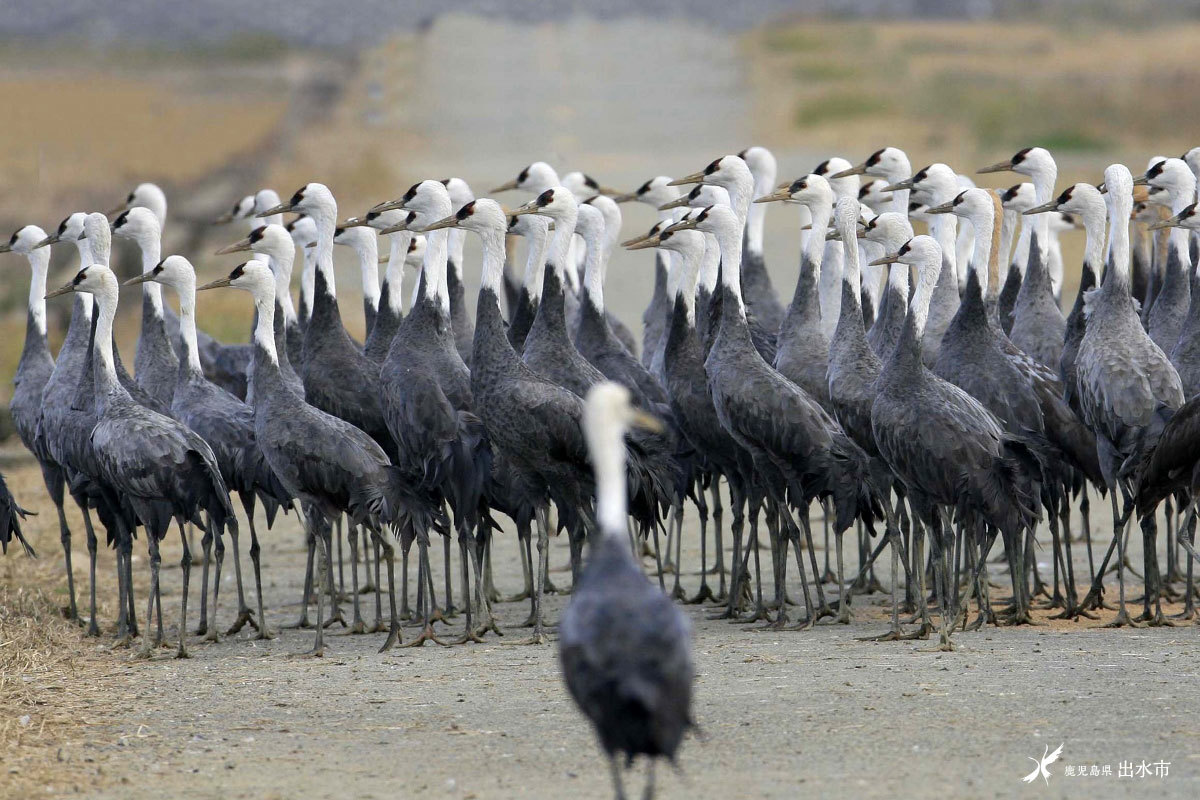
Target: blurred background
x=214, y=99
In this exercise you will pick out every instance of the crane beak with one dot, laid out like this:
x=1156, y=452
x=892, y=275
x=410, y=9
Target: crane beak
x=145, y=276
x=282, y=208
x=907, y=183
x=70, y=287
x=687, y=180
x=999, y=166
x=115, y=210
x=1042, y=209
x=49, y=240
x=219, y=283
x=1161, y=224
x=627, y=197
x=776, y=196
x=224, y=218
x=355, y=222
x=683, y=225
x=447, y=222
x=397, y=228
x=645, y=243
x=528, y=208
x=5, y=247
x=507, y=186
x=943, y=208
x=678, y=202
x=237, y=247
x=861, y=169
x=834, y=235
x=310, y=245
x=645, y=421
x=608, y=191
x=388, y=205
x=879, y=262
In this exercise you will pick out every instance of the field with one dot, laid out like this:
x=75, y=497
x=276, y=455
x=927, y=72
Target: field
x=782, y=714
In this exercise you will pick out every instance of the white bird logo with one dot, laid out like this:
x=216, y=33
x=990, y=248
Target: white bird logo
x=1047, y=759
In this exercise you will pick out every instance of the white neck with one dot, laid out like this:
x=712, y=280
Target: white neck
x=85, y=260
x=593, y=272
x=688, y=269
x=1179, y=236
x=394, y=277
x=710, y=265
x=927, y=278
x=1007, y=228
x=868, y=251
x=264, y=327
x=106, y=382
x=814, y=249
x=308, y=278
x=608, y=463
x=730, y=243
x=151, y=247
x=756, y=216
x=1118, y=243
x=367, y=249
x=323, y=254
x=1093, y=249
x=1043, y=187
x=560, y=247
x=281, y=266
x=493, y=261
x=455, y=241
x=944, y=228
x=187, y=325
x=850, y=262
x=981, y=255
x=1021, y=257
x=39, y=263
x=434, y=267
x=535, y=262
x=900, y=198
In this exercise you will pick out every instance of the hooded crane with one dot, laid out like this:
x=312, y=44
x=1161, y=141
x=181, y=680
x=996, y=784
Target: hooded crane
x=33, y=371
x=761, y=298
x=946, y=447
x=162, y=468
x=1185, y=355
x=227, y=425
x=11, y=515
x=625, y=648
x=536, y=229
x=326, y=463
x=777, y=421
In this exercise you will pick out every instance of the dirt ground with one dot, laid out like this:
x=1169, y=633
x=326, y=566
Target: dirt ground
x=782, y=714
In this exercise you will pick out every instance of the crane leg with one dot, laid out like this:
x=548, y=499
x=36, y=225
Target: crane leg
x=54, y=485
x=357, y=625
x=527, y=541
x=206, y=544
x=389, y=553
x=321, y=579
x=341, y=572
x=523, y=548
x=614, y=770
x=93, y=628
x=733, y=596
x=219, y=556
x=1122, y=619
x=244, y=614
x=464, y=544
x=1154, y=580
x=543, y=544
x=335, y=610
x=424, y=602
x=823, y=609
x=827, y=575
x=123, y=634
x=370, y=582
x=718, y=517
x=405, y=611
x=377, y=546
x=126, y=546
x=1187, y=538
x=677, y=592
x=255, y=560
x=449, y=611
x=186, y=565
x=648, y=792
x=155, y=560
x=778, y=553
x=482, y=600
x=489, y=584
x=705, y=592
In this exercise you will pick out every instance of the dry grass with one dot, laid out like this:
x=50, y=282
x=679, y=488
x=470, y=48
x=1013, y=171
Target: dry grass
x=56, y=685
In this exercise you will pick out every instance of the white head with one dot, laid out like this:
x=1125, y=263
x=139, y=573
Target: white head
x=98, y=234
x=24, y=240
x=416, y=251
x=871, y=195
x=174, y=271
x=1172, y=175
x=762, y=164
x=303, y=230
x=242, y=209
x=313, y=200
x=889, y=163
x=890, y=229
x=971, y=204
x=1019, y=198
x=608, y=414
x=253, y=276
x=584, y=186
x=139, y=224
x=654, y=192
x=537, y=178
x=146, y=195
x=932, y=185
x=702, y=195
x=844, y=186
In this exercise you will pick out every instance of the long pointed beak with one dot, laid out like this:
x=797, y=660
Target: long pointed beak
x=282, y=208
x=678, y=202
x=861, y=169
x=217, y=284
x=644, y=243
x=224, y=218
x=70, y=287
x=310, y=245
x=355, y=222
x=112, y=212
x=528, y=208
x=999, y=166
x=774, y=197
x=49, y=240
x=507, y=186
x=879, y=262
x=446, y=222
x=645, y=421
x=388, y=205
x=5, y=247
x=1042, y=209
x=145, y=276
x=907, y=183
x=682, y=225
x=942, y=208
x=397, y=228
x=686, y=180
x=627, y=197
x=1141, y=180
x=608, y=191
x=1161, y=224
x=237, y=247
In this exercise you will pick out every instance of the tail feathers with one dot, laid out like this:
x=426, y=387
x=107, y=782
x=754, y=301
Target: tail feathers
x=1011, y=494
x=11, y=515
x=404, y=504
